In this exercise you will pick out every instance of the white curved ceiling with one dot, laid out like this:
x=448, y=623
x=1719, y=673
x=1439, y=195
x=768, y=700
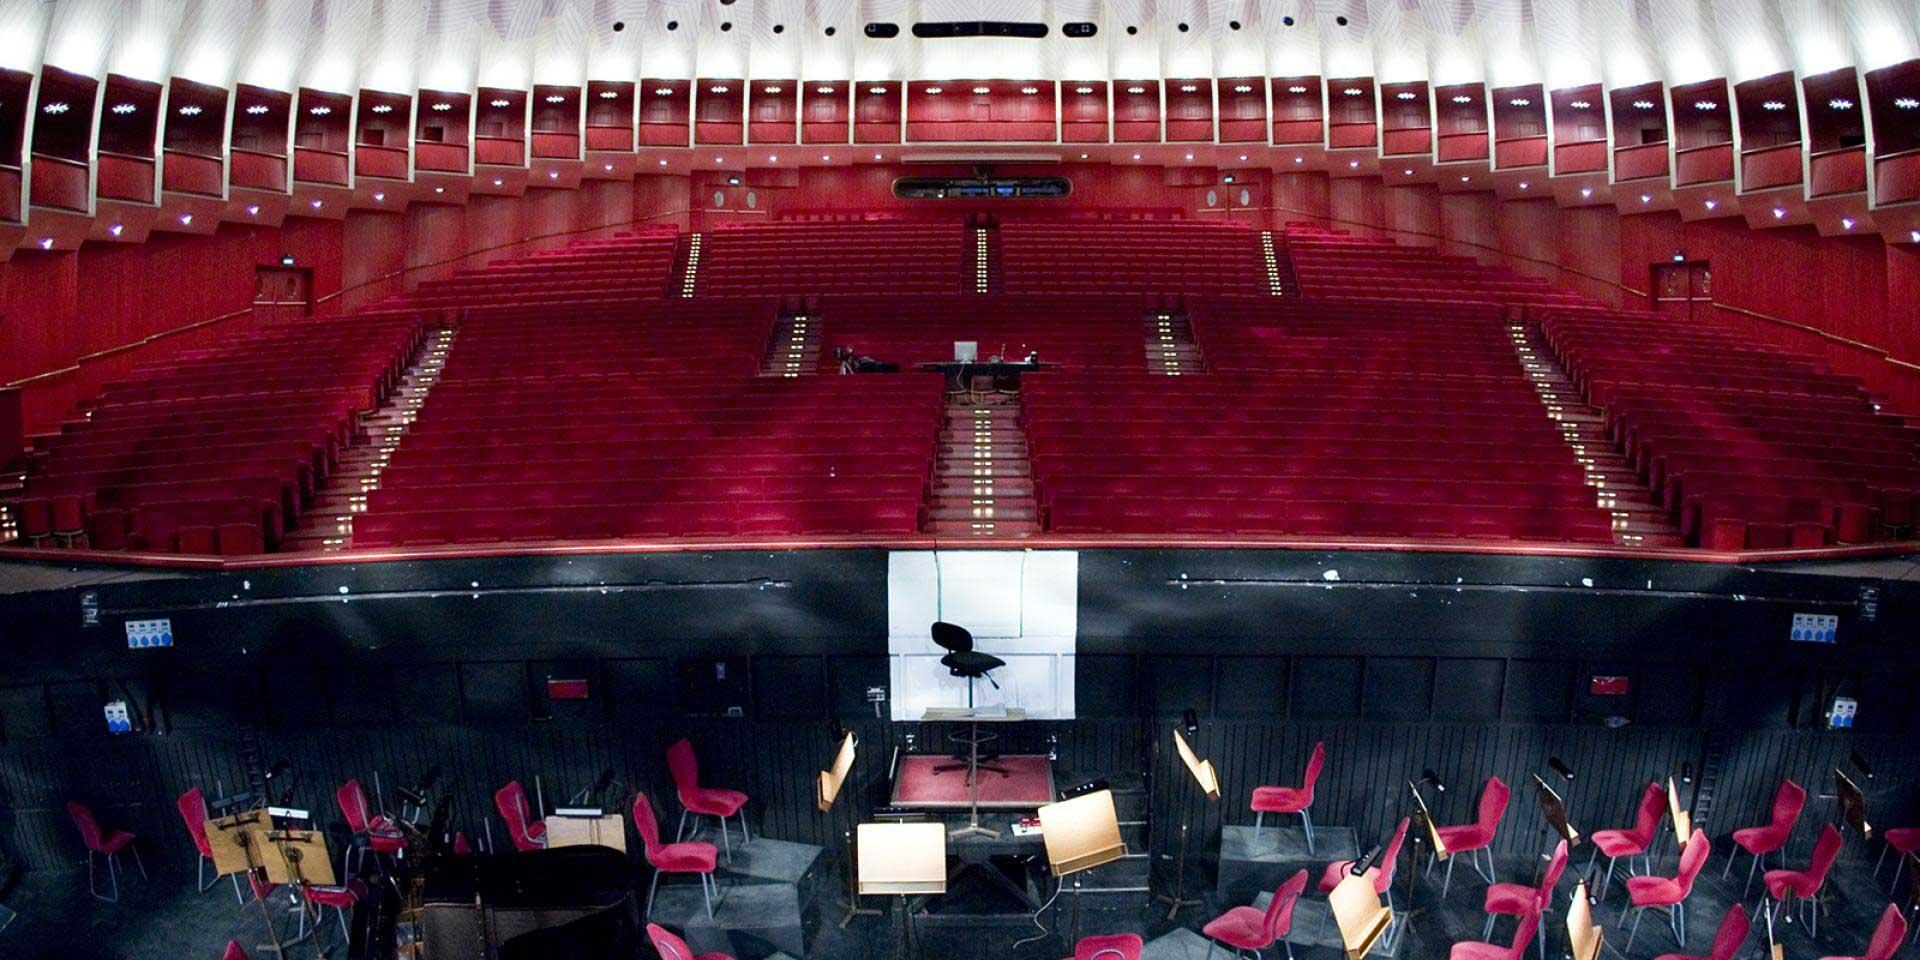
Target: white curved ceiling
x=402, y=45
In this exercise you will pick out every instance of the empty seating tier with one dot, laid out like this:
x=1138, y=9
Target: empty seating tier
x=799, y=258
x=1145, y=257
x=618, y=270
x=1075, y=333
x=1332, y=265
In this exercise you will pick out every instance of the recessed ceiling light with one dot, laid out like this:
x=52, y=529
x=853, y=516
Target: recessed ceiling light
x=1914, y=235
x=1029, y=91
x=1405, y=95
x=381, y=197
x=190, y=110
x=1464, y=178
x=1189, y=88
x=716, y=88
x=983, y=90
x=826, y=158
x=823, y=88
x=253, y=211
x=1243, y=158
x=46, y=243
x=317, y=204
x=1773, y=105
x=1242, y=88
x=553, y=174
x=1705, y=105
x=876, y=90
x=1712, y=203
x=877, y=156
x=935, y=91
x=1296, y=89
x=1354, y=164
x=609, y=94
x=1846, y=223
x=186, y=219
x=55, y=108
x=1083, y=156
x=1643, y=104
x=257, y=109
x=608, y=167
x=1353, y=91
x=1520, y=102
x=383, y=108
x=500, y=103
x=657, y=91
x=1299, y=159
x=443, y=107
x=1646, y=198
x=773, y=88
x=773, y=158
x=1462, y=98
x=1579, y=104
x=499, y=182
x=1586, y=192
x=439, y=189
x=1407, y=172
x=1840, y=103
x=1136, y=91
x=1083, y=90
x=1136, y=156
x=1906, y=103
x=1189, y=156
x=124, y=108
x=1524, y=184
x=116, y=229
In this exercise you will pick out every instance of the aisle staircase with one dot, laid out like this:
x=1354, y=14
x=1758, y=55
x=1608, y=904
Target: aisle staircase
x=982, y=482
x=1638, y=519
x=327, y=523
x=686, y=266
x=793, y=348
x=1273, y=253
x=1170, y=345
x=986, y=276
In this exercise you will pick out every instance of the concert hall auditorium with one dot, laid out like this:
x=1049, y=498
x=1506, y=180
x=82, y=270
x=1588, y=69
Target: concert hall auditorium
x=959, y=480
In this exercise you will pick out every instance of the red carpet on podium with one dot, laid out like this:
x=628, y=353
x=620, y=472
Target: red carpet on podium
x=1028, y=782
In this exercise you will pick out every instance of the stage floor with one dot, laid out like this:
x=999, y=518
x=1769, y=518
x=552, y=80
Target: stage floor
x=1026, y=784
x=164, y=918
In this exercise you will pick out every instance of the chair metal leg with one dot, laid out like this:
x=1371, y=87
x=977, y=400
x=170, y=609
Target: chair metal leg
x=1606, y=884
x=1289, y=945
x=1448, y=883
x=1493, y=876
x=706, y=893
x=726, y=841
x=681, y=832
x=142, y=864
x=746, y=835
x=1732, y=855
x=1881, y=860
x=1486, y=932
x=1209, y=948
x=1750, y=872
x=237, y=897
x=1257, y=818
x=1306, y=824
x=652, y=889
x=1637, y=917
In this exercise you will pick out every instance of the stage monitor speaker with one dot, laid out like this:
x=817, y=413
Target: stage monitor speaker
x=714, y=687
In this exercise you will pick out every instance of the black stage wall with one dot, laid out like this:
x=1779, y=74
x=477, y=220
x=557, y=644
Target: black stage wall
x=1471, y=665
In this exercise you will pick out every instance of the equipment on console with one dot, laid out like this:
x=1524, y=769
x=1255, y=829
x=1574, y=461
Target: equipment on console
x=569, y=902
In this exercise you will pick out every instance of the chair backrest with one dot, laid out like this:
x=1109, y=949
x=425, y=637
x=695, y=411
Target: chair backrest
x=353, y=805
x=1391, y=858
x=1888, y=935
x=1279, y=919
x=669, y=946
x=950, y=636
x=511, y=800
x=1732, y=933
x=685, y=768
x=83, y=819
x=1556, y=865
x=643, y=821
x=1493, y=803
x=1523, y=935
x=234, y=951
x=1315, y=761
x=1653, y=808
x=1692, y=859
x=1825, y=851
x=1788, y=801
x=193, y=809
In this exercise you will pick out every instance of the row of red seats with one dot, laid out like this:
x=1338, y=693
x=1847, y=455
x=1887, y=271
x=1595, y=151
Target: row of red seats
x=1148, y=257
x=786, y=258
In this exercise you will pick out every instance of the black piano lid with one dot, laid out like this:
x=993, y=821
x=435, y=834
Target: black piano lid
x=582, y=877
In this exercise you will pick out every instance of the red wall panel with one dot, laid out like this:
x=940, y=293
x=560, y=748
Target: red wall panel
x=1838, y=171
x=123, y=178
x=192, y=173
x=261, y=171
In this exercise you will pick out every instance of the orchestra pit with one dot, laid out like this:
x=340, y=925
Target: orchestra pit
x=959, y=480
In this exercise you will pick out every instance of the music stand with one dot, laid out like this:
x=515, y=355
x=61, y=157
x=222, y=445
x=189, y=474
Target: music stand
x=299, y=859
x=1357, y=911
x=1853, y=804
x=902, y=860
x=1080, y=834
x=1682, y=820
x=1584, y=937
x=1555, y=810
x=238, y=844
x=1209, y=781
x=827, y=791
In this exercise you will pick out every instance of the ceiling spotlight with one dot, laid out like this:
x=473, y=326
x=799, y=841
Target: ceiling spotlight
x=1405, y=95
x=1136, y=91
x=876, y=90
x=1462, y=98
x=1712, y=203
x=982, y=90
x=186, y=219
x=826, y=158
x=1586, y=192
x=773, y=88
x=935, y=91
x=824, y=88
x=608, y=167
x=190, y=110
x=257, y=109
x=116, y=229
x=124, y=108
x=1296, y=89
x=1464, y=178
x=716, y=88
x=1524, y=184
x=773, y=158
x=1243, y=158
x=382, y=198
x=253, y=211
x=1646, y=198
x=500, y=103
x=1029, y=91
x=1353, y=164
x=657, y=91
x=499, y=182
x=1705, y=105
x=609, y=94
x=1242, y=88
x=55, y=108
x=1083, y=90
x=1407, y=172
x=1906, y=103
x=1189, y=156
x=718, y=160
x=1520, y=102
x=46, y=243
x=1846, y=223
x=320, y=111
x=1136, y=156
x=876, y=156
x=1353, y=91
x=663, y=162
x=1914, y=235
x=317, y=204
x=1779, y=213
x=1840, y=103
x=383, y=108
x=1189, y=88
x=1083, y=156
x=1773, y=105
x=1299, y=159
x=1643, y=104
x=553, y=174
x=439, y=189
x=443, y=107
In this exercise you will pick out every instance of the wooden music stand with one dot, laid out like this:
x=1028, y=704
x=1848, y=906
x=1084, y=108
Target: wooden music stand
x=606, y=830
x=1081, y=833
x=239, y=844
x=1555, y=810
x=902, y=860
x=1853, y=804
x=1681, y=819
x=1425, y=817
x=831, y=780
x=834, y=776
x=1202, y=770
x=1209, y=781
x=1584, y=937
x=1357, y=911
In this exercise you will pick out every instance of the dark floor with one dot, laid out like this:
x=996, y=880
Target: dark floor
x=164, y=918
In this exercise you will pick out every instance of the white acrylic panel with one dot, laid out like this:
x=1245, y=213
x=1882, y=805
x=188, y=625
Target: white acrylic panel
x=1020, y=606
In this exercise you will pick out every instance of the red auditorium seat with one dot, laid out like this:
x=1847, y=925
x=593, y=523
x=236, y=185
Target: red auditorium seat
x=1631, y=842
x=1791, y=887
x=1887, y=937
x=1478, y=835
x=680, y=857
x=1670, y=893
x=1788, y=800
x=1248, y=928
x=1291, y=799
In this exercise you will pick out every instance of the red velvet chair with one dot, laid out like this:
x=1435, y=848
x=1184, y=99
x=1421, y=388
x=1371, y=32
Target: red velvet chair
x=371, y=831
x=703, y=801
x=1903, y=841
x=1476, y=837
x=688, y=857
x=1249, y=928
x=527, y=831
x=341, y=899
x=234, y=951
x=1803, y=886
x=1670, y=893
x=1759, y=841
x=1381, y=873
x=193, y=809
x=1630, y=843
x=69, y=519
x=36, y=520
x=1477, y=950
x=1519, y=900
x=671, y=947
x=1887, y=936
x=104, y=844
x=1109, y=946
x=1289, y=800
x=1726, y=941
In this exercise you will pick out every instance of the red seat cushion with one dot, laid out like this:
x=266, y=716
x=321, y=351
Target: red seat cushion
x=342, y=897
x=1618, y=843
x=1464, y=837
x=690, y=857
x=1903, y=839
x=1511, y=899
x=1280, y=800
x=1761, y=840
x=1782, y=882
x=715, y=802
x=1112, y=946
x=1654, y=891
x=1475, y=950
x=113, y=841
x=1239, y=927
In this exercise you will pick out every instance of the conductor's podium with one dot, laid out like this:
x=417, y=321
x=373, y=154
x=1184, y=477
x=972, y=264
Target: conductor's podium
x=770, y=901
x=1248, y=869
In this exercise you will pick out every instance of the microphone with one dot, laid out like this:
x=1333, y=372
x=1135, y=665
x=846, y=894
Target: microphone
x=1429, y=776
x=1367, y=860
x=1686, y=773
x=1190, y=720
x=1860, y=764
x=1560, y=767
x=605, y=781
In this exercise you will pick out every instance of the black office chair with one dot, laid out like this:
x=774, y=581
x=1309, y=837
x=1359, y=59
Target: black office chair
x=962, y=660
